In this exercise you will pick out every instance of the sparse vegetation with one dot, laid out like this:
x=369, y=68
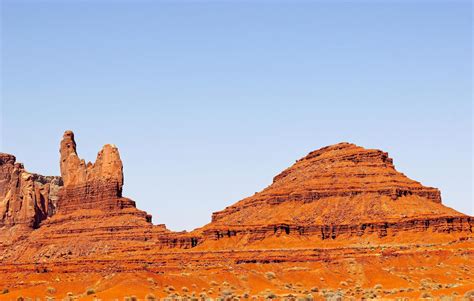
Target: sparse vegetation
x=469, y=295
x=150, y=297
x=151, y=281
x=90, y=291
x=169, y=289
x=5, y=291
x=227, y=293
x=426, y=295
x=51, y=290
x=270, y=275
x=269, y=294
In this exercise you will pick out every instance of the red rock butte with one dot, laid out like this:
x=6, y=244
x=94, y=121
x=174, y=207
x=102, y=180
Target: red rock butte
x=326, y=205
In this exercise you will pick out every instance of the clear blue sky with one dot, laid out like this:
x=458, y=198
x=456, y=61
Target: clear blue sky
x=207, y=101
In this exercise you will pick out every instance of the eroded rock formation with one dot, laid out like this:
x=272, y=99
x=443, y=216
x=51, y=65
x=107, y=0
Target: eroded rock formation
x=341, y=190
x=26, y=199
x=93, y=185
x=341, y=194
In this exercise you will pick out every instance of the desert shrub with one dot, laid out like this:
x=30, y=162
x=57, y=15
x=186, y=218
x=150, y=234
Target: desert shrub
x=169, y=289
x=50, y=290
x=315, y=289
x=227, y=293
x=20, y=299
x=426, y=295
x=133, y=298
x=269, y=294
x=150, y=297
x=246, y=295
x=328, y=294
x=343, y=283
x=370, y=294
x=270, y=275
x=289, y=297
x=378, y=287
x=90, y=291
x=213, y=283
x=185, y=289
x=151, y=281
x=5, y=291
x=469, y=295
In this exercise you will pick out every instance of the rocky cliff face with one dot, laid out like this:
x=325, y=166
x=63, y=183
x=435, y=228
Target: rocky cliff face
x=26, y=199
x=93, y=185
x=340, y=194
x=342, y=214
x=338, y=191
x=89, y=216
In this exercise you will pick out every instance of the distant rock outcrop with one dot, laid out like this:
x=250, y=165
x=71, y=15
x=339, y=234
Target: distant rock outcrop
x=339, y=219
x=340, y=190
x=341, y=193
x=26, y=199
x=88, y=215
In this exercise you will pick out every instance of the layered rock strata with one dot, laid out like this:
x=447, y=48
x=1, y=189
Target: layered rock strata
x=26, y=199
x=339, y=196
x=93, y=185
x=91, y=217
x=338, y=191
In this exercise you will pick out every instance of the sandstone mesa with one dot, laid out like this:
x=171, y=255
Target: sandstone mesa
x=341, y=202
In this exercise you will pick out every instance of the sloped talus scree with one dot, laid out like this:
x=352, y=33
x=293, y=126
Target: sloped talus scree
x=341, y=193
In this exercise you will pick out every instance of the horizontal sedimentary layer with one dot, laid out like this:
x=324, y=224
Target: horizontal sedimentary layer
x=431, y=194
x=102, y=195
x=159, y=261
x=446, y=224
